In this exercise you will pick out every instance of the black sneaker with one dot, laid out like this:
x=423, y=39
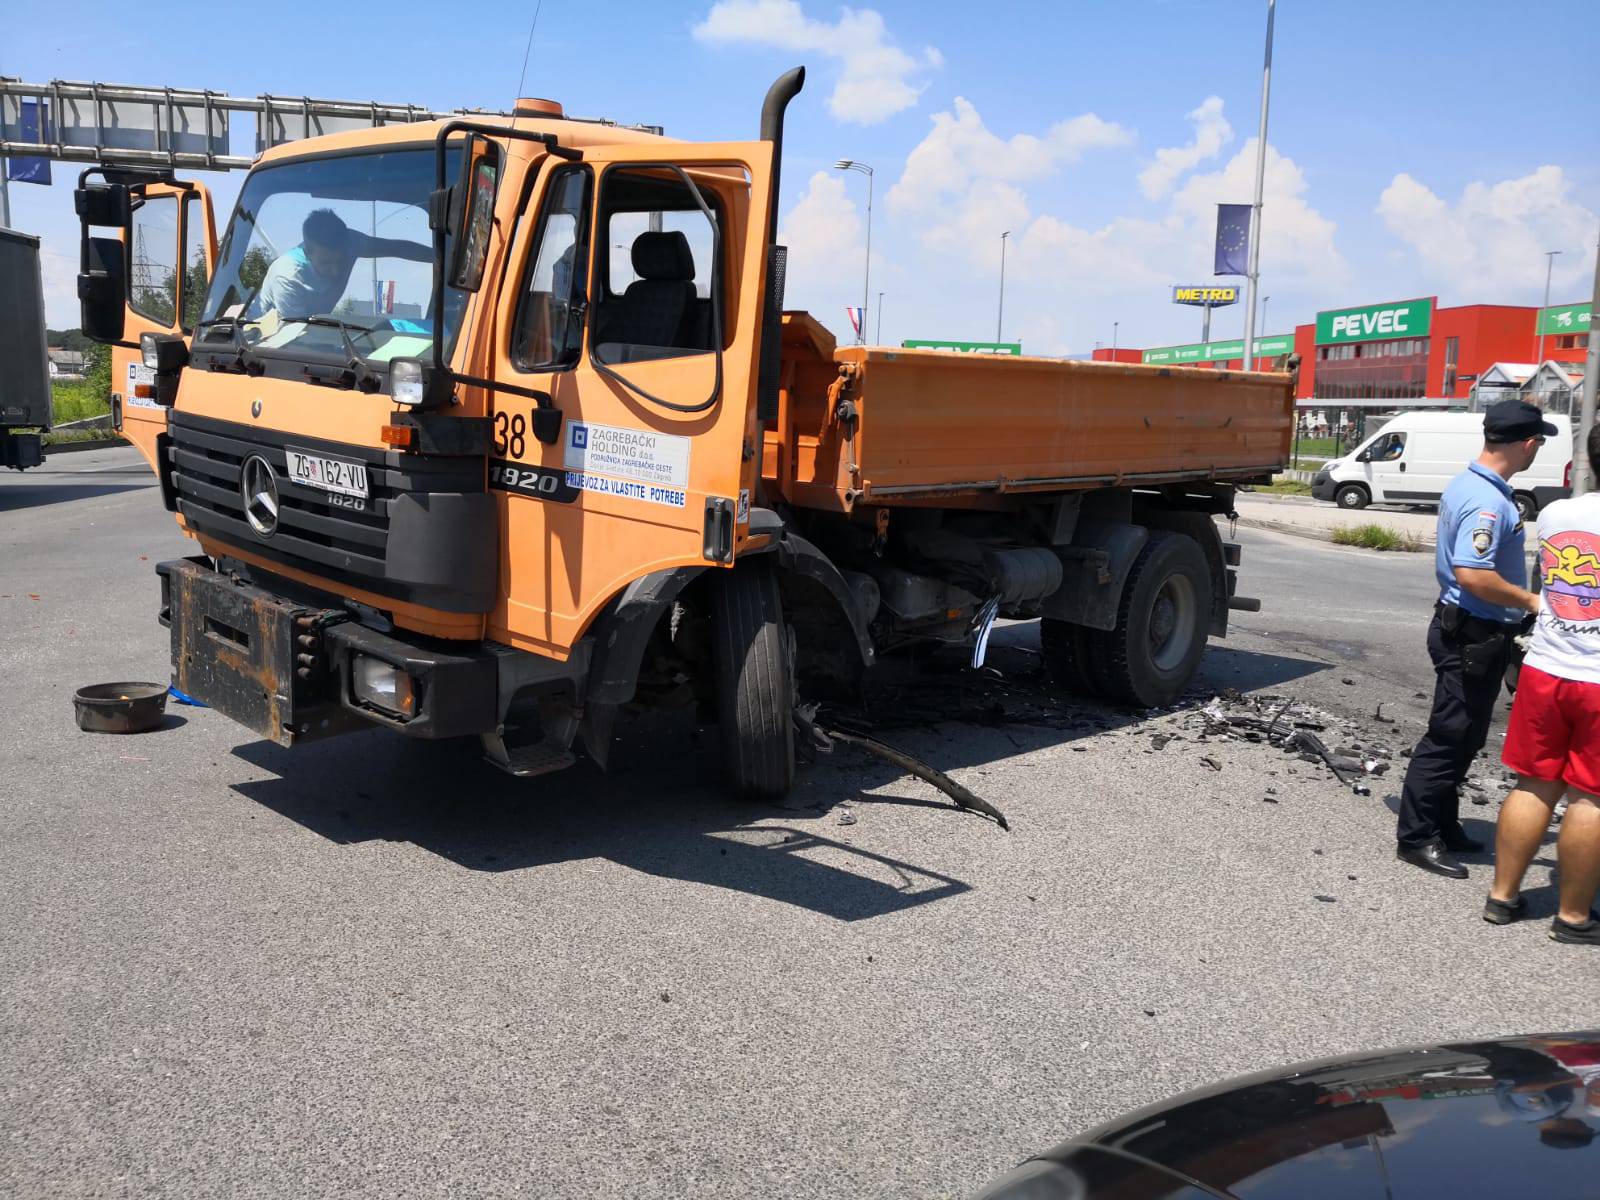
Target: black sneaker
x=1503, y=912
x=1587, y=934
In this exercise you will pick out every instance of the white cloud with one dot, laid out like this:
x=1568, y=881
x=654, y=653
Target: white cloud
x=1495, y=234
x=1211, y=133
x=960, y=148
x=877, y=78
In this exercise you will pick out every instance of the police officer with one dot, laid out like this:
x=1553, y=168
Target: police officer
x=1482, y=568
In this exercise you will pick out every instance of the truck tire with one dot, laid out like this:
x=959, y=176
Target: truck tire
x=755, y=681
x=1352, y=496
x=1065, y=648
x=1527, y=506
x=1162, y=625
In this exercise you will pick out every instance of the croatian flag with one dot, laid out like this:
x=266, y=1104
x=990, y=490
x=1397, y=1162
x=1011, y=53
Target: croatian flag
x=854, y=313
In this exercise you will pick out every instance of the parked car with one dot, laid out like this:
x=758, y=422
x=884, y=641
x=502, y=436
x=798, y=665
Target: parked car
x=1493, y=1119
x=1413, y=457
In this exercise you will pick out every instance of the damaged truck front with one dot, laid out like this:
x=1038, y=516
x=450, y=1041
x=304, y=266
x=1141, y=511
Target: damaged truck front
x=492, y=427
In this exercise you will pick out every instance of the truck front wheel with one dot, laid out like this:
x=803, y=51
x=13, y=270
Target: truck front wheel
x=1162, y=625
x=755, y=681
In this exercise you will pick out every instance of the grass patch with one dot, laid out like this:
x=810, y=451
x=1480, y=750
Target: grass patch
x=58, y=437
x=1284, y=487
x=80, y=400
x=1373, y=536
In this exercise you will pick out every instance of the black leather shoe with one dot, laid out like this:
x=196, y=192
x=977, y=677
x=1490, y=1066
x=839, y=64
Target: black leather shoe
x=1459, y=841
x=1432, y=857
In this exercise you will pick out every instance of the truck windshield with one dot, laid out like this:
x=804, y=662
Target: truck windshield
x=329, y=254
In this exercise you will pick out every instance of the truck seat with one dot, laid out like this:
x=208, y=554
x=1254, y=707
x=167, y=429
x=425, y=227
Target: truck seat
x=656, y=308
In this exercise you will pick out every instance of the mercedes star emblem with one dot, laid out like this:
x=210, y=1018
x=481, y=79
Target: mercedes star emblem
x=258, y=484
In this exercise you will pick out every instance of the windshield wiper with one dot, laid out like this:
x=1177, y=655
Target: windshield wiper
x=360, y=370
x=243, y=359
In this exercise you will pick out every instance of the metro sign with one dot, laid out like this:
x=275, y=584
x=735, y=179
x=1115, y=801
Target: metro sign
x=1404, y=318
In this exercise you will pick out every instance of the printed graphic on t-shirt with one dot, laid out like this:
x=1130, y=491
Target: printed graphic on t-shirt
x=1570, y=564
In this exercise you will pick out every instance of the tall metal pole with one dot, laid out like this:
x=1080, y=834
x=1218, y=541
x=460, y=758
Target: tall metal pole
x=1265, y=300
x=1114, y=327
x=880, y=319
x=1254, y=273
x=1205, y=325
x=1000, y=317
x=1538, y=338
x=1582, y=481
x=866, y=282
x=849, y=164
x=5, y=196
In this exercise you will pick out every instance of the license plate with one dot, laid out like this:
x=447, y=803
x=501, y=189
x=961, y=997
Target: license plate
x=327, y=474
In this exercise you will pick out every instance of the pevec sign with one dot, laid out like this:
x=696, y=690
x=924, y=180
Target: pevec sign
x=1011, y=348
x=1375, y=322
x=1564, y=318
x=1207, y=296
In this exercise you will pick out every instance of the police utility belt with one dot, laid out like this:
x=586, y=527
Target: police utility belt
x=1484, y=643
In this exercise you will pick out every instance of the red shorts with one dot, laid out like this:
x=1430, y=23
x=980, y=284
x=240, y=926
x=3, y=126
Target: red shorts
x=1555, y=730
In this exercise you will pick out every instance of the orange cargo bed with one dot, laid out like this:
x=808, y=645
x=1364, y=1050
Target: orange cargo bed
x=934, y=427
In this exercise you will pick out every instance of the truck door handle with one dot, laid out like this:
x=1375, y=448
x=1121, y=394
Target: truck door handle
x=1402, y=466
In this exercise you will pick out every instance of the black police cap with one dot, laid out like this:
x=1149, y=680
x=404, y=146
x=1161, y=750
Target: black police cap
x=1515, y=421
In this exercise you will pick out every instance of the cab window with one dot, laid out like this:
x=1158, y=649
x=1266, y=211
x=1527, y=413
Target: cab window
x=548, y=332
x=1388, y=448
x=660, y=259
x=153, y=259
x=194, y=260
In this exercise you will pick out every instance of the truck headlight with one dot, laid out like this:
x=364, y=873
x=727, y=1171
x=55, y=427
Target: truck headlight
x=149, y=353
x=383, y=685
x=407, y=383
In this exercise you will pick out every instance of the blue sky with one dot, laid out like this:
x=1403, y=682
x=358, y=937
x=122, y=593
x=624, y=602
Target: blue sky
x=1417, y=149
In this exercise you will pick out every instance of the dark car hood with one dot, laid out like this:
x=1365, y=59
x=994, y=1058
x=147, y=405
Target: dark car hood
x=1511, y=1117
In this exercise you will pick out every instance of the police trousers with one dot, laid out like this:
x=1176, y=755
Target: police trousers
x=1469, y=663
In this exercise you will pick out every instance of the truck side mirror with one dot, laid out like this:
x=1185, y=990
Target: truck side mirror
x=103, y=204
x=103, y=289
x=473, y=212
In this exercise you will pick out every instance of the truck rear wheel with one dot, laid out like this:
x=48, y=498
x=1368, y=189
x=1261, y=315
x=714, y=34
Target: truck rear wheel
x=1162, y=625
x=755, y=681
x=1065, y=647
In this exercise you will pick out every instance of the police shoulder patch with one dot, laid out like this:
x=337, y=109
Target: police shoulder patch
x=1482, y=539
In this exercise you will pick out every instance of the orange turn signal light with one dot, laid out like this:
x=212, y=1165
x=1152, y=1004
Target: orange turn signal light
x=399, y=435
x=144, y=391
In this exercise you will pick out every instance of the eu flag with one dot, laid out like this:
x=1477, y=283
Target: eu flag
x=1233, y=239
x=29, y=169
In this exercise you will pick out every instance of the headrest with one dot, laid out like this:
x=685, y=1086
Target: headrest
x=663, y=255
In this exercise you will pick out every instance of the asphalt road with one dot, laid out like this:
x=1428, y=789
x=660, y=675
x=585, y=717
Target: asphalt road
x=373, y=968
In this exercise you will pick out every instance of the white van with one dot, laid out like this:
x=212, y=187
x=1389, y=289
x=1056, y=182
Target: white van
x=1413, y=457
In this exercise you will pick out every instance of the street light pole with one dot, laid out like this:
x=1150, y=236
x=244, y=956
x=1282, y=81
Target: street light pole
x=1000, y=317
x=846, y=164
x=1114, y=327
x=1538, y=338
x=1582, y=481
x=1254, y=273
x=880, y=319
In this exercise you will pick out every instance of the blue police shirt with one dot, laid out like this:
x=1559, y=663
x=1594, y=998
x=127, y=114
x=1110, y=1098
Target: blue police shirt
x=1479, y=526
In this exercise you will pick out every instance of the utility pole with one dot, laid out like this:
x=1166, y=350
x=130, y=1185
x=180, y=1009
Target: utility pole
x=1582, y=481
x=5, y=196
x=846, y=164
x=1265, y=300
x=1538, y=338
x=999, y=319
x=1114, y=326
x=1254, y=274
x=880, y=319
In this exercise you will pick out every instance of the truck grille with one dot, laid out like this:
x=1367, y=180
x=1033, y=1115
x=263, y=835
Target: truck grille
x=315, y=531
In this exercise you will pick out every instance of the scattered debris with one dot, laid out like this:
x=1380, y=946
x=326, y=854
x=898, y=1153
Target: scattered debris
x=846, y=817
x=1327, y=899
x=1159, y=741
x=1207, y=760
x=666, y=997
x=1294, y=727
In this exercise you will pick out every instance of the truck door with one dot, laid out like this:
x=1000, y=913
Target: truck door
x=633, y=297
x=168, y=249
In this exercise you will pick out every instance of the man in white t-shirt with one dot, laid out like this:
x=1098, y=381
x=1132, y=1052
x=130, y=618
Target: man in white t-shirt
x=1553, y=742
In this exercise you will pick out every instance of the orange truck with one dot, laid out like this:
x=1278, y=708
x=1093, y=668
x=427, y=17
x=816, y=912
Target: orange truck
x=492, y=427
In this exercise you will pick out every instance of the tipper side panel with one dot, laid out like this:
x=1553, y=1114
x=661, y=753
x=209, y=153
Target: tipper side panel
x=933, y=420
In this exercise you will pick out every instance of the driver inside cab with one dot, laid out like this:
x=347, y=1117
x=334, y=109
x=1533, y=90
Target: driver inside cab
x=310, y=279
